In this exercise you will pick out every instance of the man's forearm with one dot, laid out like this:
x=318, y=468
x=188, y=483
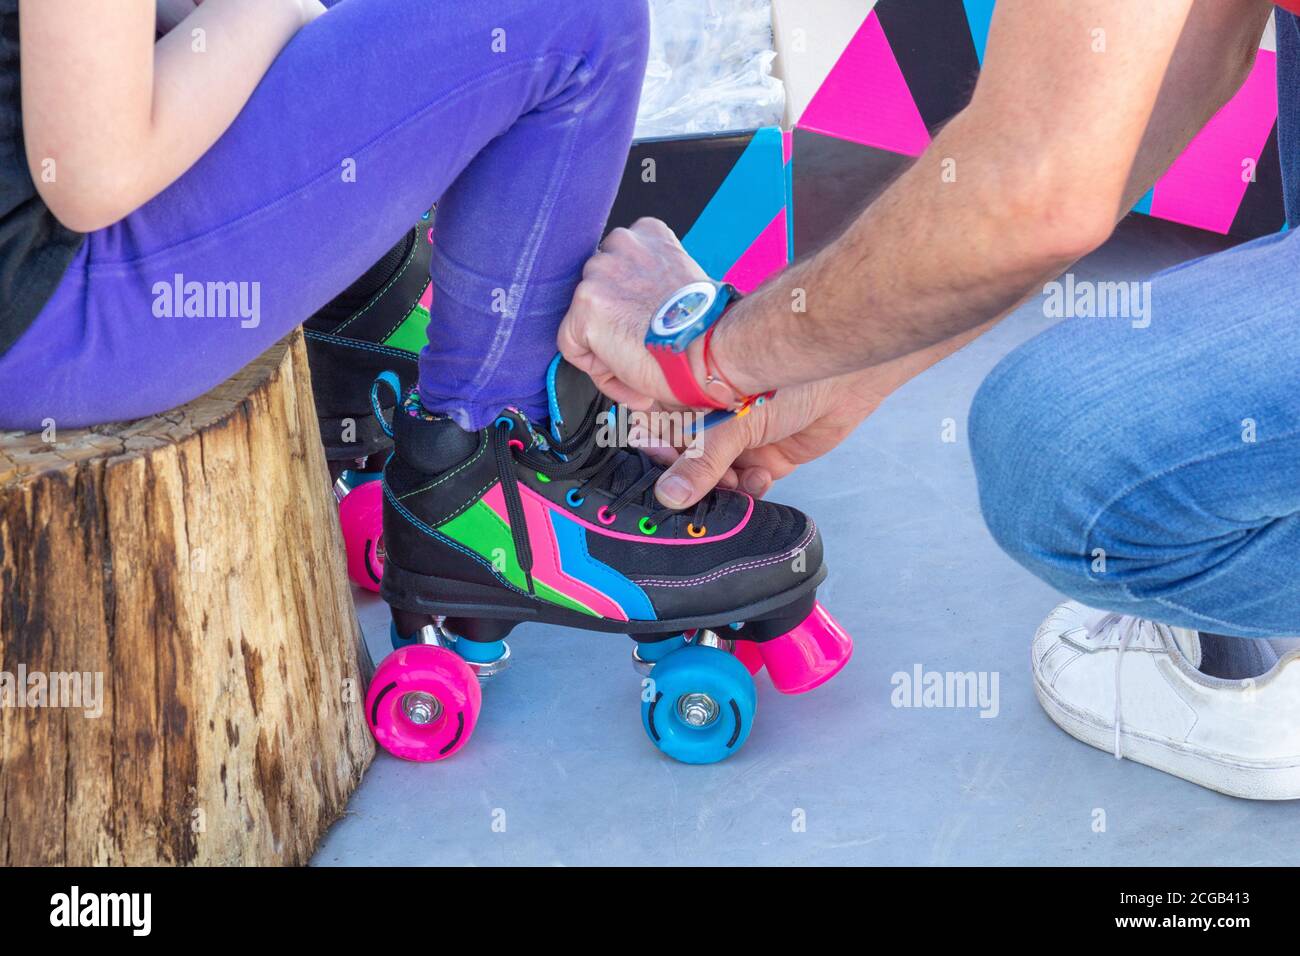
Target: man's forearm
x=937, y=256
x=923, y=263
x=873, y=385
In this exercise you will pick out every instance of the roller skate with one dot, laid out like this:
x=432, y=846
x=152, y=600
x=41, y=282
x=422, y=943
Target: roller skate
x=529, y=522
x=376, y=325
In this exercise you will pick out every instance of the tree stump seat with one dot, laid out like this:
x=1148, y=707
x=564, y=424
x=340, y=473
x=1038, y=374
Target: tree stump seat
x=177, y=585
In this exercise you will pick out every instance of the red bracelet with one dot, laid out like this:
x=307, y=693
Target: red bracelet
x=713, y=373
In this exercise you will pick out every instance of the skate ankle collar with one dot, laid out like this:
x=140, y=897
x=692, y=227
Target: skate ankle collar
x=390, y=381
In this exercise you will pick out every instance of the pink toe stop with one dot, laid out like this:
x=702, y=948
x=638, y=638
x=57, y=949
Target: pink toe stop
x=748, y=654
x=809, y=655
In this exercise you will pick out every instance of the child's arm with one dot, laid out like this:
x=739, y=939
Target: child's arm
x=111, y=119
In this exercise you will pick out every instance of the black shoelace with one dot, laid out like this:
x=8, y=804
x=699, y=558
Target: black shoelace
x=580, y=456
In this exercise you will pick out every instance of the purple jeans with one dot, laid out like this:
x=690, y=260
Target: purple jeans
x=515, y=115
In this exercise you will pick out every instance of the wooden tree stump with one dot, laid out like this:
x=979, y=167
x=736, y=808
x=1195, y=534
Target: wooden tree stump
x=193, y=562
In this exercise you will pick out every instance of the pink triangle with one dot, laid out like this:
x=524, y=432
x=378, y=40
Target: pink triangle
x=866, y=99
x=1204, y=187
x=766, y=254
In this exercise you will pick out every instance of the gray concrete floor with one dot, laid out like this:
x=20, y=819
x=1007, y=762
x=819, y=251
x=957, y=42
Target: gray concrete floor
x=560, y=772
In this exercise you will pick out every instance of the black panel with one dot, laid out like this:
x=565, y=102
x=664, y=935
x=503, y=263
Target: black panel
x=1262, y=212
x=688, y=172
x=834, y=180
x=931, y=41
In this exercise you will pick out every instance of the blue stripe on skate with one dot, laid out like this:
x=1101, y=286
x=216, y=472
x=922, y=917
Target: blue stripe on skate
x=575, y=561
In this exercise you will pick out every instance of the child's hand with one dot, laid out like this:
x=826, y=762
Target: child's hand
x=172, y=12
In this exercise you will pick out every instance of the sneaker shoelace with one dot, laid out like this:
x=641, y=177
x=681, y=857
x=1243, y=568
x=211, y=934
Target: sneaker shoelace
x=629, y=475
x=1122, y=630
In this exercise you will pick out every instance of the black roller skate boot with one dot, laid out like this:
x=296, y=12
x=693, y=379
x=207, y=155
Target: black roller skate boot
x=378, y=324
x=552, y=522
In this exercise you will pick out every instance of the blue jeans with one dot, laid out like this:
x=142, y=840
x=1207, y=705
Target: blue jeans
x=1156, y=471
x=516, y=115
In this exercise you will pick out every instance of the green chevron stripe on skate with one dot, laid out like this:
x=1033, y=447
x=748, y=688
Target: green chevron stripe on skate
x=411, y=335
x=481, y=529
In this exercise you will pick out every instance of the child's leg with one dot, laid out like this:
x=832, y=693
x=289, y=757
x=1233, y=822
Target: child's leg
x=516, y=114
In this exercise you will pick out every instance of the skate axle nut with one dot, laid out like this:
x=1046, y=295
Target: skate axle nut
x=698, y=710
x=421, y=708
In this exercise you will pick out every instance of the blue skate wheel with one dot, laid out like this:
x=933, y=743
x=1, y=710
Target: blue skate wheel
x=701, y=704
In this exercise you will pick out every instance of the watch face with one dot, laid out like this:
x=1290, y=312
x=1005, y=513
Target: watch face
x=688, y=308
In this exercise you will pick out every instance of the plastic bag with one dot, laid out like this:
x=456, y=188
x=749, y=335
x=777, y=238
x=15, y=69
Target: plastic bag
x=710, y=68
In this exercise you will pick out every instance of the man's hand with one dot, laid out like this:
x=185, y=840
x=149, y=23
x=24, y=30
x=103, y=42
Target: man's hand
x=798, y=425
x=768, y=443
x=622, y=285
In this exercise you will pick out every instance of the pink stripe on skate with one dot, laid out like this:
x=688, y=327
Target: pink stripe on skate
x=765, y=256
x=639, y=538
x=547, y=563
x=426, y=298
x=866, y=99
x=1204, y=187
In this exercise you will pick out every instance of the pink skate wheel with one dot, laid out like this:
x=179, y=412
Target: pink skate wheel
x=747, y=653
x=423, y=703
x=808, y=656
x=361, y=515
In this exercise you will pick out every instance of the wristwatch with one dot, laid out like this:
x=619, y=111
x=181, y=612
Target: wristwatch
x=682, y=318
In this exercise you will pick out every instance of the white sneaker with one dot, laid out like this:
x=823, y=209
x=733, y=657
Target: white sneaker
x=1131, y=686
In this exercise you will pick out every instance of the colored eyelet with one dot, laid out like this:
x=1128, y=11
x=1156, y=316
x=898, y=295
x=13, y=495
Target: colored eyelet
x=516, y=444
x=604, y=517
x=543, y=478
x=573, y=498
x=503, y=420
x=690, y=529
x=430, y=235
x=425, y=215
x=646, y=527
